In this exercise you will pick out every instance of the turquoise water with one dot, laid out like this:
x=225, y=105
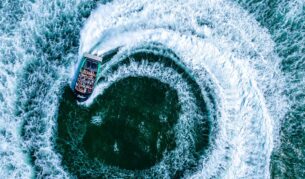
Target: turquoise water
x=195, y=89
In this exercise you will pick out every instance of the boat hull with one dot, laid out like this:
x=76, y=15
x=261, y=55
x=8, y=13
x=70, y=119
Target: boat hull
x=85, y=77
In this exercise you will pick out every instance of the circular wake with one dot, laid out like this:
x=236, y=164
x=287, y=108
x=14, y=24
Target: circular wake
x=190, y=90
x=230, y=64
x=146, y=136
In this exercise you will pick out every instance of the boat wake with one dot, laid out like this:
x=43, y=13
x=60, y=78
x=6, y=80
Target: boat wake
x=218, y=66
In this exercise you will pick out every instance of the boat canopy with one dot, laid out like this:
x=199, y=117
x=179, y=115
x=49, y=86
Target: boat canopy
x=93, y=57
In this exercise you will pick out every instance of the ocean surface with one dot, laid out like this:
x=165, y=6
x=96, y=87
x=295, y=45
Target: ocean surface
x=190, y=89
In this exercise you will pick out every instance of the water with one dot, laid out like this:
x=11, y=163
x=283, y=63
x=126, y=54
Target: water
x=122, y=137
x=196, y=89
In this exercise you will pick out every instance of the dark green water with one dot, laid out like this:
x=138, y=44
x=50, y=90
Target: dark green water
x=137, y=117
x=131, y=126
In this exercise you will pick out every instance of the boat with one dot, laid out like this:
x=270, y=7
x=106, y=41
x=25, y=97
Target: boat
x=86, y=76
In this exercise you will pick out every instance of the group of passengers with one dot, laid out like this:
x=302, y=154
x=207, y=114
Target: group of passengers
x=85, y=81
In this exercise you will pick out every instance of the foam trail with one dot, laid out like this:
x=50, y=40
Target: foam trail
x=237, y=60
x=221, y=47
x=285, y=22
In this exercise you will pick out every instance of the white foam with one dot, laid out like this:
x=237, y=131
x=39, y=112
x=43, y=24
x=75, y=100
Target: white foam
x=97, y=120
x=19, y=50
x=13, y=160
x=235, y=52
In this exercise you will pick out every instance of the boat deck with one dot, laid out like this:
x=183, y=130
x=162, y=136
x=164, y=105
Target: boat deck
x=86, y=78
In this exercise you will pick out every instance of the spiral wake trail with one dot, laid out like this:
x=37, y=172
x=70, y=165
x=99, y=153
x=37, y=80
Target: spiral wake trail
x=187, y=89
x=276, y=16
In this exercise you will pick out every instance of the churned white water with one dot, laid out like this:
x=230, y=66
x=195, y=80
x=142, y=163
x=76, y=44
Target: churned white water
x=213, y=36
x=219, y=42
